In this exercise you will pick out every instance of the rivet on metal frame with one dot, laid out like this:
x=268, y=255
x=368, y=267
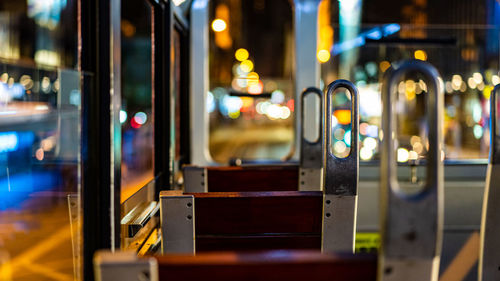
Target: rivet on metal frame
x=177, y=223
x=195, y=179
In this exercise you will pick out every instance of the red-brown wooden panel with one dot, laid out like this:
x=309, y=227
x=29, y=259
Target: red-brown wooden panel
x=254, y=178
x=257, y=242
x=239, y=221
x=238, y=213
x=273, y=265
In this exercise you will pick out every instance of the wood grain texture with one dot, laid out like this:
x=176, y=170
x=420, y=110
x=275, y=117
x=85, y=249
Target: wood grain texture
x=258, y=220
x=254, y=178
x=272, y=265
x=238, y=213
x=279, y=241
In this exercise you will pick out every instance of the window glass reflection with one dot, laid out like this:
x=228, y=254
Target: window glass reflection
x=40, y=99
x=460, y=38
x=39, y=173
x=251, y=101
x=136, y=114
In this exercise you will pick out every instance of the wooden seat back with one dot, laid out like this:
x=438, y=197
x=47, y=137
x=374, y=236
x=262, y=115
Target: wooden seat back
x=272, y=265
x=258, y=178
x=245, y=220
x=290, y=265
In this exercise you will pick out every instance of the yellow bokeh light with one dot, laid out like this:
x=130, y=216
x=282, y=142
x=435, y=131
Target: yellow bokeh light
x=420, y=55
x=219, y=25
x=323, y=56
x=252, y=78
x=384, y=65
x=256, y=89
x=343, y=116
x=246, y=66
x=403, y=155
x=241, y=54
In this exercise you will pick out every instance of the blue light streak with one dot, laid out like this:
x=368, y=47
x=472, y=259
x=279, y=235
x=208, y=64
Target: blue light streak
x=376, y=33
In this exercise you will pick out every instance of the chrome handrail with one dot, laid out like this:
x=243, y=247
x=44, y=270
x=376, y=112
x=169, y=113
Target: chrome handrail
x=411, y=224
x=311, y=153
x=341, y=177
x=489, y=250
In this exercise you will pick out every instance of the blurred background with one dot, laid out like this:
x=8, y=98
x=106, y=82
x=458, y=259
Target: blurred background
x=252, y=51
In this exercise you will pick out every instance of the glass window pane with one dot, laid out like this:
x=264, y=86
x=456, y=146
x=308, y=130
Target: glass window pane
x=460, y=38
x=41, y=32
x=137, y=111
x=251, y=87
x=40, y=186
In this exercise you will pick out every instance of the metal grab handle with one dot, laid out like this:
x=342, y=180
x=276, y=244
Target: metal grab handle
x=340, y=200
x=311, y=154
x=489, y=251
x=411, y=225
x=494, y=136
x=341, y=174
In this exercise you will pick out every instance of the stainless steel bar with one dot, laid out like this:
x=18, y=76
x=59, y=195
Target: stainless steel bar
x=306, y=64
x=195, y=179
x=311, y=153
x=489, y=251
x=340, y=179
x=177, y=223
x=411, y=224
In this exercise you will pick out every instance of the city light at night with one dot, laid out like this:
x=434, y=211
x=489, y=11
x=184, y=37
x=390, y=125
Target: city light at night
x=219, y=25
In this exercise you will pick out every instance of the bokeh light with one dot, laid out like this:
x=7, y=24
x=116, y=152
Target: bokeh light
x=241, y=54
x=219, y=25
x=323, y=56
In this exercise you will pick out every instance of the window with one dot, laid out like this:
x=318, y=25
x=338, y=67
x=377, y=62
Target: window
x=40, y=99
x=136, y=115
x=250, y=97
x=460, y=38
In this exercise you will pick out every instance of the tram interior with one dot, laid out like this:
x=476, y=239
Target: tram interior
x=160, y=140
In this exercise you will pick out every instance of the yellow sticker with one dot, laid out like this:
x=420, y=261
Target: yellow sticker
x=367, y=242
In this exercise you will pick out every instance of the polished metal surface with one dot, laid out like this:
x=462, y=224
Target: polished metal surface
x=195, y=179
x=489, y=256
x=310, y=179
x=136, y=219
x=311, y=153
x=411, y=225
x=177, y=223
x=340, y=179
x=341, y=174
x=199, y=77
x=306, y=64
x=124, y=266
x=339, y=223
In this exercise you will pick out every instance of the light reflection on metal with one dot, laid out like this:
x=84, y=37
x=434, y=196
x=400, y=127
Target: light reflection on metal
x=489, y=255
x=411, y=223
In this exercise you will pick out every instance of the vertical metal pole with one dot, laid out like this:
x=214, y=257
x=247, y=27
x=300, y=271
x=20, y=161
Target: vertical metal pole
x=489, y=251
x=340, y=179
x=99, y=58
x=306, y=64
x=116, y=127
x=199, y=76
x=411, y=224
x=311, y=153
